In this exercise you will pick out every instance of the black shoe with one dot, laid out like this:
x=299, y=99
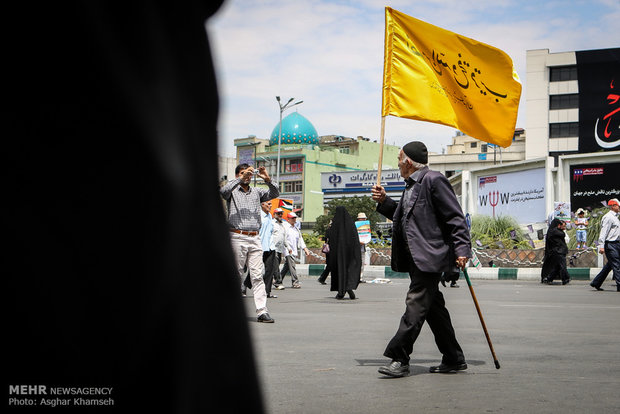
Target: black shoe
x=265, y=318
x=445, y=368
x=566, y=282
x=596, y=287
x=271, y=295
x=321, y=282
x=395, y=369
x=339, y=296
x=351, y=294
x=453, y=285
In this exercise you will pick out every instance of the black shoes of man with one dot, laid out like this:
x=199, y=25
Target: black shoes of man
x=448, y=368
x=265, y=318
x=397, y=369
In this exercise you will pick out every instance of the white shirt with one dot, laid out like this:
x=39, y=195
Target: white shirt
x=294, y=240
x=278, y=237
x=610, y=228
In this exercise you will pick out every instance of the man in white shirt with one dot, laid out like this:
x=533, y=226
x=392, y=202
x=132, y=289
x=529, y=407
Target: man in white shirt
x=609, y=243
x=278, y=244
x=294, y=242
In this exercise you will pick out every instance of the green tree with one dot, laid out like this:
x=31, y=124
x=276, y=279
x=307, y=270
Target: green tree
x=354, y=206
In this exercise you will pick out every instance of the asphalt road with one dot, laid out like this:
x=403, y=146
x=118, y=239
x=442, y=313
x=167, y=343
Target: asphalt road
x=557, y=346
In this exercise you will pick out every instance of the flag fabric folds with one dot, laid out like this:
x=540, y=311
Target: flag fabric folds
x=432, y=74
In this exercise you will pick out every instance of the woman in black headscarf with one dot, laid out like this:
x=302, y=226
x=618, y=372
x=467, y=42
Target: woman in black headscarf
x=346, y=259
x=554, y=263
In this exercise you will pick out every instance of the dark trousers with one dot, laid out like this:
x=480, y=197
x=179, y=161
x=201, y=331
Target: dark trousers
x=612, y=251
x=271, y=262
x=327, y=269
x=425, y=302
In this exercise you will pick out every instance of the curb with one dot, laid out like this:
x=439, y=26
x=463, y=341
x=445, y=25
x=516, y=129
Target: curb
x=484, y=273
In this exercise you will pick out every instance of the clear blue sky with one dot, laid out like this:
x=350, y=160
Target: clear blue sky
x=330, y=55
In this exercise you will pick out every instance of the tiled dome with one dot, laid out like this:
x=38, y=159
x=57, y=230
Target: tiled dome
x=295, y=130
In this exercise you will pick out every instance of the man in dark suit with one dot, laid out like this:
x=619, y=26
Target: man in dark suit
x=430, y=235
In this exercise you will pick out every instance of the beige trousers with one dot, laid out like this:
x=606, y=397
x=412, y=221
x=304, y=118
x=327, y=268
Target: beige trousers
x=249, y=252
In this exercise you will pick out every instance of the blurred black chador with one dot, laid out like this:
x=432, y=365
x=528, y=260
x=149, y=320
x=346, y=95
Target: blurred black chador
x=112, y=217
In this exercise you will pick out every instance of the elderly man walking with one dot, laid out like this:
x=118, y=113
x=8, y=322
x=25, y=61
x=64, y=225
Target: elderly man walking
x=609, y=243
x=429, y=236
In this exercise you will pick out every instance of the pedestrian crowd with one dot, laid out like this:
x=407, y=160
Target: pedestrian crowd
x=430, y=241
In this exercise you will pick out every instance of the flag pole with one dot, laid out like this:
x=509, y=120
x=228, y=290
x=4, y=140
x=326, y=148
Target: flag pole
x=381, y=150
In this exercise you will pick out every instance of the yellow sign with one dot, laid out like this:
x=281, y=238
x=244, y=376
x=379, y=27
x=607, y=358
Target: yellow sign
x=432, y=74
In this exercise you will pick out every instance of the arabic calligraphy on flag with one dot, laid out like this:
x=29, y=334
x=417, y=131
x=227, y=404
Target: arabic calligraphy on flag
x=432, y=74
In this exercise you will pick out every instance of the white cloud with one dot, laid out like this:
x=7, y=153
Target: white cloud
x=330, y=55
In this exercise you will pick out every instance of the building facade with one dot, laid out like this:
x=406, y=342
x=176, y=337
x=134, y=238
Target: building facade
x=303, y=155
x=466, y=153
x=570, y=102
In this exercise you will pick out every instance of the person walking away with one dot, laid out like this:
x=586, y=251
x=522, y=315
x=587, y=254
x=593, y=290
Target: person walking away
x=294, y=242
x=581, y=222
x=429, y=236
x=609, y=243
x=346, y=255
x=554, y=261
x=244, y=217
x=327, y=253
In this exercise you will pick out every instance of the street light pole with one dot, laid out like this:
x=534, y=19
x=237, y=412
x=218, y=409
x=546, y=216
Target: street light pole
x=282, y=109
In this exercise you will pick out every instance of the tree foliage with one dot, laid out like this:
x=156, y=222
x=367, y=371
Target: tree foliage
x=502, y=232
x=354, y=206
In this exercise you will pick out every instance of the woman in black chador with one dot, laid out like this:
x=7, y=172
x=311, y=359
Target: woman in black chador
x=554, y=263
x=345, y=256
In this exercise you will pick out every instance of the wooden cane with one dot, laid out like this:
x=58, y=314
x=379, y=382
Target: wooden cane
x=484, y=327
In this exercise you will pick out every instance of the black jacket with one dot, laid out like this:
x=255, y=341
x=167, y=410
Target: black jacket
x=436, y=229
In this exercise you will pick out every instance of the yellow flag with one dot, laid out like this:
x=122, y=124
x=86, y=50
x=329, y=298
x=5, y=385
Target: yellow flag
x=431, y=74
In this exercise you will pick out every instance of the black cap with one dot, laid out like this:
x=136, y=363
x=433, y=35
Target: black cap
x=416, y=150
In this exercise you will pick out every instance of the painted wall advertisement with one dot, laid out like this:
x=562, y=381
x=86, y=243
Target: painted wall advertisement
x=593, y=184
x=518, y=194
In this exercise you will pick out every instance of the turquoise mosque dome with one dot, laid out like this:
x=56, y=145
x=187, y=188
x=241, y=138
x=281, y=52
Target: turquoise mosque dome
x=296, y=129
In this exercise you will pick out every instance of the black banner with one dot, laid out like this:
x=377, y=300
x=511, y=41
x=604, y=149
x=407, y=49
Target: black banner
x=592, y=184
x=598, y=74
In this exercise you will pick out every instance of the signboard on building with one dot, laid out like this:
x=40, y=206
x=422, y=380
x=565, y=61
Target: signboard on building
x=358, y=183
x=519, y=194
x=592, y=184
x=340, y=181
x=599, y=103
x=246, y=155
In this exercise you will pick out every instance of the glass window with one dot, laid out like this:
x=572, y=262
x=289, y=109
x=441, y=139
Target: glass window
x=484, y=148
x=291, y=165
x=291, y=187
x=564, y=101
x=473, y=144
x=563, y=73
x=564, y=129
